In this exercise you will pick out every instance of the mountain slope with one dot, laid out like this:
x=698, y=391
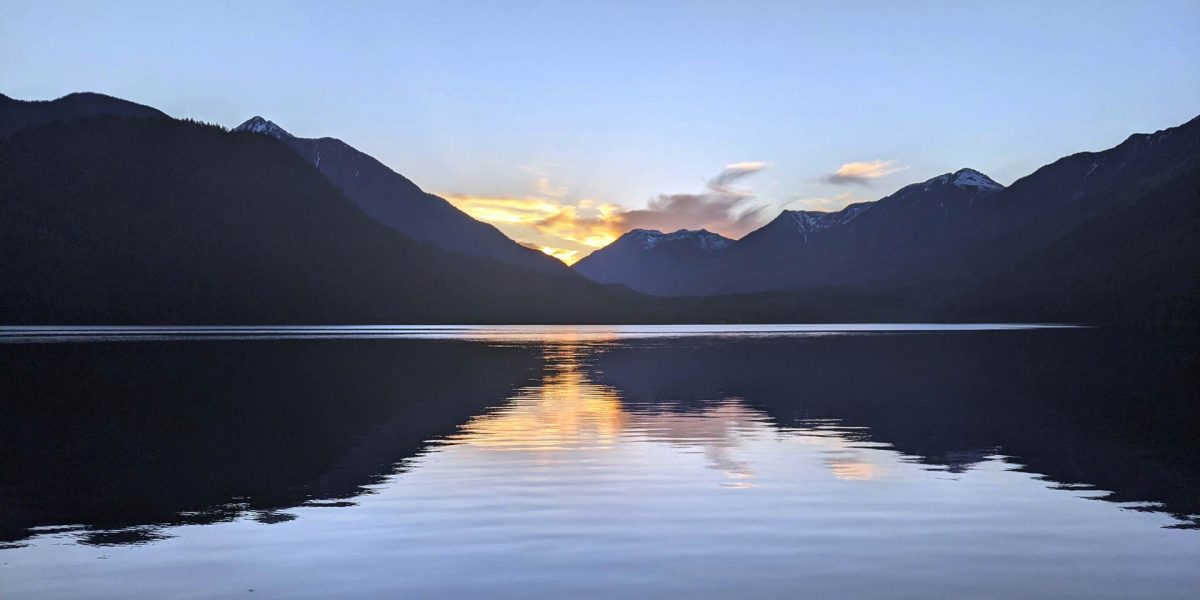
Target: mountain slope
x=863, y=244
x=16, y=115
x=1058, y=198
x=108, y=220
x=1138, y=263
x=651, y=261
x=393, y=200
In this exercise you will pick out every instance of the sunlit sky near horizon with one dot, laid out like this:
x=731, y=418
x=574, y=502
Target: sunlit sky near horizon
x=568, y=123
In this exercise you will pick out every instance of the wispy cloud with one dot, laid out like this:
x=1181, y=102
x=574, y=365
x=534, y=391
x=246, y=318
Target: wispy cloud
x=722, y=207
x=593, y=227
x=500, y=210
x=549, y=221
x=542, y=182
x=862, y=173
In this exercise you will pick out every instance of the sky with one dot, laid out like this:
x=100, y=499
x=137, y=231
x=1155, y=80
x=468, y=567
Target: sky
x=568, y=123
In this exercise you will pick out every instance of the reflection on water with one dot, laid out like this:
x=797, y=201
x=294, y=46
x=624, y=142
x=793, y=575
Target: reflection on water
x=588, y=463
x=563, y=411
x=541, y=334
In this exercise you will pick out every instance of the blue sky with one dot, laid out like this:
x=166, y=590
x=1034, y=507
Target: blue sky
x=564, y=116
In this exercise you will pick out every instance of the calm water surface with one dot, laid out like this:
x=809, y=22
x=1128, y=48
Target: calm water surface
x=534, y=462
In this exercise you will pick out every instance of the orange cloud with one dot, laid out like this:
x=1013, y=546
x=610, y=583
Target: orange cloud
x=566, y=255
x=863, y=172
x=567, y=232
x=504, y=210
x=571, y=229
x=594, y=228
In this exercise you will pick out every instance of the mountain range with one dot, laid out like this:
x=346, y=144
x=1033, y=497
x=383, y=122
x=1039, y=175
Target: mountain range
x=1066, y=241
x=652, y=261
x=126, y=217
x=114, y=212
x=861, y=243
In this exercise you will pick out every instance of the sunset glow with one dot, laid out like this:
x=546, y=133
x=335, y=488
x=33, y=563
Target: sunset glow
x=560, y=229
x=688, y=300
x=567, y=256
x=551, y=220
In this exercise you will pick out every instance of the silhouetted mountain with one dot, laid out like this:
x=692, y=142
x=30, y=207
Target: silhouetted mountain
x=1136, y=261
x=109, y=220
x=16, y=115
x=1057, y=198
x=877, y=243
x=393, y=200
x=864, y=242
x=652, y=261
x=1101, y=236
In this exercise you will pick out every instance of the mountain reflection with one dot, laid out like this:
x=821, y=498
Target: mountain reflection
x=120, y=440
x=119, y=443
x=1087, y=410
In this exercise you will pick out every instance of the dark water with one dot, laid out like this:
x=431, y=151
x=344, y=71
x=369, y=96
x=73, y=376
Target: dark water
x=761, y=462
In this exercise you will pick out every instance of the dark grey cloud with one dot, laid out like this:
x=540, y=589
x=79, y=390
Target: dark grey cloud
x=722, y=207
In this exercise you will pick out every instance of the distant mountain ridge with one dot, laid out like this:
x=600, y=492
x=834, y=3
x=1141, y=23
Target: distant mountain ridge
x=651, y=261
x=811, y=221
x=113, y=212
x=868, y=243
x=16, y=115
x=397, y=202
x=1066, y=242
x=798, y=244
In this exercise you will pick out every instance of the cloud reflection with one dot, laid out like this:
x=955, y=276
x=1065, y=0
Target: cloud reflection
x=566, y=412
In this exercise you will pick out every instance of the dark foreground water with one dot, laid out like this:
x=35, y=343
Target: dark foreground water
x=638, y=462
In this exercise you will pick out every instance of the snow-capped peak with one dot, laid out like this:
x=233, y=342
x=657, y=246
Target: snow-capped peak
x=704, y=239
x=971, y=178
x=262, y=126
x=962, y=178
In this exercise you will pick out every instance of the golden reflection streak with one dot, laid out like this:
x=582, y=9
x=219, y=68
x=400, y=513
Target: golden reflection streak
x=850, y=470
x=567, y=411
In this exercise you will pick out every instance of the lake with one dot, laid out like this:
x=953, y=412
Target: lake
x=861, y=461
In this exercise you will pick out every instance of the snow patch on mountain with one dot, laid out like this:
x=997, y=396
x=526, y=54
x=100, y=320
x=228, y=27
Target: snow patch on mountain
x=962, y=178
x=809, y=221
x=262, y=126
x=704, y=239
x=965, y=178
